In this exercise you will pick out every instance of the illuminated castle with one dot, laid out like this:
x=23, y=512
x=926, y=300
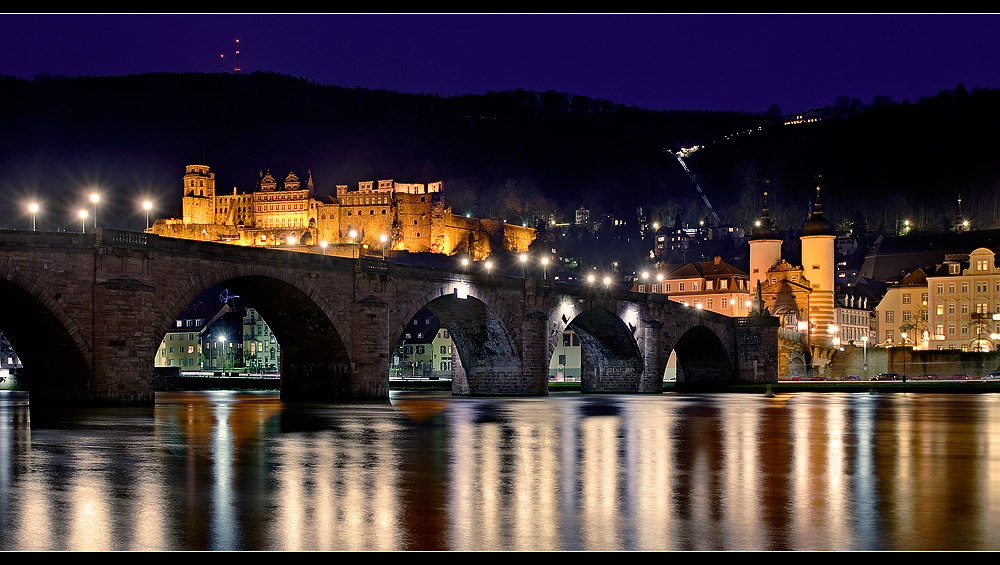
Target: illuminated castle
x=379, y=214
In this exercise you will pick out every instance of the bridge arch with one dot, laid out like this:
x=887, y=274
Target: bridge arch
x=486, y=360
x=56, y=359
x=610, y=357
x=702, y=357
x=315, y=359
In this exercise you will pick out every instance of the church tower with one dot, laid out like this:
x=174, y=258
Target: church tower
x=199, y=195
x=818, y=266
x=765, y=247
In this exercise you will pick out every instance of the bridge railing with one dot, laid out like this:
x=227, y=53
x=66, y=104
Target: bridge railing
x=374, y=265
x=121, y=238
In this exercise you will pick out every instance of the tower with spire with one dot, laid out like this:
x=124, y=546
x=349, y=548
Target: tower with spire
x=960, y=224
x=818, y=265
x=765, y=246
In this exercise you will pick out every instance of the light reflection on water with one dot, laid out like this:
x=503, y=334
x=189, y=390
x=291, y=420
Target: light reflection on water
x=428, y=471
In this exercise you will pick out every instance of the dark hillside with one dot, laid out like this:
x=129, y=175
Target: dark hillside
x=519, y=155
x=515, y=154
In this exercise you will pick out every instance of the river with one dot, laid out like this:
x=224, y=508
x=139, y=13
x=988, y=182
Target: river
x=226, y=470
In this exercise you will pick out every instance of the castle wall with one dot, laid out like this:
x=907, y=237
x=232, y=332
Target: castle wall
x=412, y=215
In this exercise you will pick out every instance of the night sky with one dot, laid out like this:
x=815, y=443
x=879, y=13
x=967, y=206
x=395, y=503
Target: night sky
x=654, y=61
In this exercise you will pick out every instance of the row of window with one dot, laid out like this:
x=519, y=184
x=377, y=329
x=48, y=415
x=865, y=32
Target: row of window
x=981, y=286
x=420, y=349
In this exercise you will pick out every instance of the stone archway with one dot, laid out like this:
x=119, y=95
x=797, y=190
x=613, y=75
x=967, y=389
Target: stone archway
x=610, y=359
x=55, y=364
x=315, y=362
x=702, y=358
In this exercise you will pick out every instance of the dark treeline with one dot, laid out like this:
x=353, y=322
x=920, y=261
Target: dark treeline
x=520, y=155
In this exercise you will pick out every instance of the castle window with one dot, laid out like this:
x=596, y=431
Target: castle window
x=371, y=212
x=383, y=211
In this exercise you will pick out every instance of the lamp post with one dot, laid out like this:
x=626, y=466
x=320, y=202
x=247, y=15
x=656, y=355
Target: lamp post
x=95, y=198
x=545, y=265
x=465, y=264
x=353, y=234
x=523, y=258
x=903, y=335
x=489, y=267
x=83, y=221
x=382, y=239
x=222, y=344
x=33, y=208
x=147, y=206
x=864, y=344
x=322, y=245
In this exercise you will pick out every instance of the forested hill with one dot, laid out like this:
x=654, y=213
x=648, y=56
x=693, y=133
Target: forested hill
x=516, y=154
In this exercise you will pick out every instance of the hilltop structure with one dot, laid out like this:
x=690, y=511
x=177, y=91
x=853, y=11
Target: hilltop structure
x=379, y=215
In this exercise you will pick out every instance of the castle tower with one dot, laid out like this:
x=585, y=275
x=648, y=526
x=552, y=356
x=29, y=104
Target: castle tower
x=292, y=182
x=818, y=266
x=267, y=182
x=765, y=247
x=198, y=202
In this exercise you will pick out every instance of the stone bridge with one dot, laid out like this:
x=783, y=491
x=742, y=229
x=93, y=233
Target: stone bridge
x=86, y=313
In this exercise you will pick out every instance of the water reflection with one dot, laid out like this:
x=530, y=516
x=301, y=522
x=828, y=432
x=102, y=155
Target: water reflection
x=243, y=471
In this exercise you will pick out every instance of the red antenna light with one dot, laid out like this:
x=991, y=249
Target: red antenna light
x=237, y=55
x=222, y=57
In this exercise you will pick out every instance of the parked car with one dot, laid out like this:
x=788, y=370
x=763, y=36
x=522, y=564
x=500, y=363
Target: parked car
x=994, y=376
x=925, y=377
x=886, y=377
x=852, y=378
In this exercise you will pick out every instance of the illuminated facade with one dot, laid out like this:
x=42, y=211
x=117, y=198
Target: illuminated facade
x=379, y=215
x=963, y=303
x=711, y=285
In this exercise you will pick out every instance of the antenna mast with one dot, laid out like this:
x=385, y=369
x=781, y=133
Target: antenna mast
x=237, y=55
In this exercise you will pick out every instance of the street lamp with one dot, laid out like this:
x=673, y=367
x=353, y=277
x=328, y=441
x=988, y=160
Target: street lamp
x=545, y=264
x=222, y=344
x=590, y=279
x=903, y=335
x=607, y=282
x=353, y=234
x=465, y=264
x=524, y=259
x=33, y=208
x=147, y=206
x=322, y=245
x=382, y=239
x=864, y=343
x=489, y=267
x=95, y=198
x=83, y=220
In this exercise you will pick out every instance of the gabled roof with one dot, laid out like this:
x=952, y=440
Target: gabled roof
x=892, y=256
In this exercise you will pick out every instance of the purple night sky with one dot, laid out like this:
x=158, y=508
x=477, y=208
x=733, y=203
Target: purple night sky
x=654, y=61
